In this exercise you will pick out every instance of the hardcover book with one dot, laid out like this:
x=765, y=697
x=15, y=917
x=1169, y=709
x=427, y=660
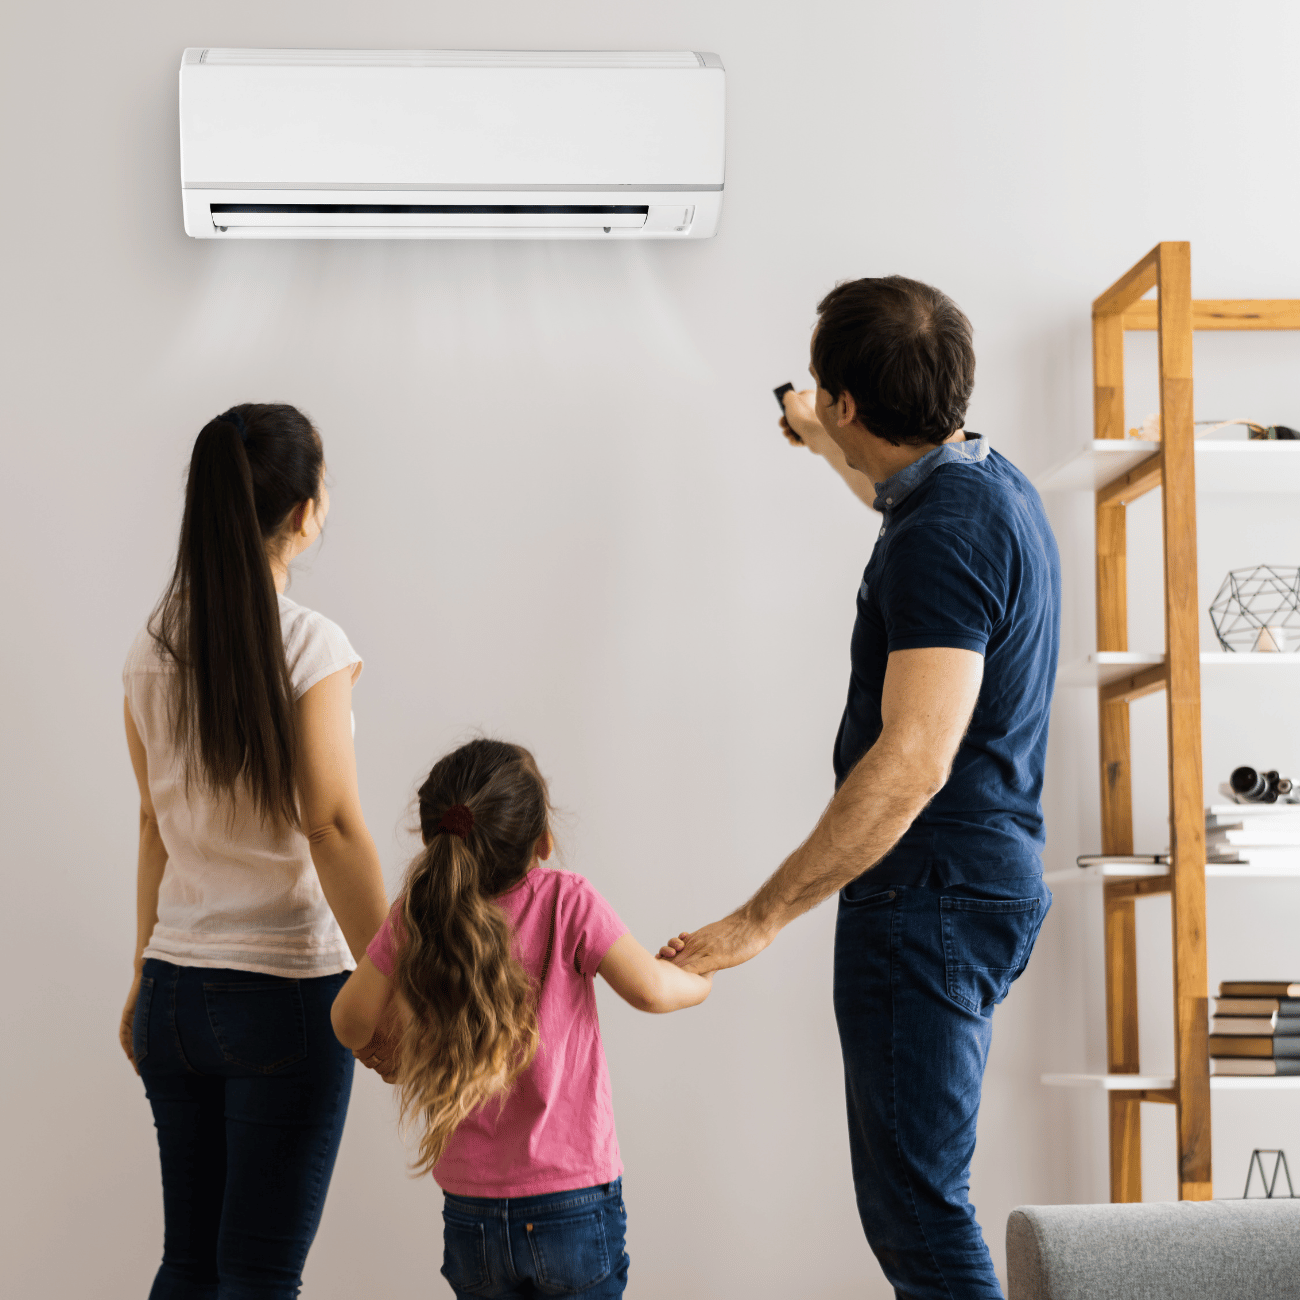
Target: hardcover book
x=1277, y=859
x=1238, y=1026
x=1253, y=837
x=1253, y=1065
x=1258, y=989
x=1237, y=1045
x=1256, y=1006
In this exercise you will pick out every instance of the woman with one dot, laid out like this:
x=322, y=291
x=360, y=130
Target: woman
x=258, y=882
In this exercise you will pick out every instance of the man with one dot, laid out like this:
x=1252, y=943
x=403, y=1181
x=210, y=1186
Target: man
x=934, y=835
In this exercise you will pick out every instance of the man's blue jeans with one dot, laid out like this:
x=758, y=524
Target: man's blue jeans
x=918, y=971
x=249, y=1089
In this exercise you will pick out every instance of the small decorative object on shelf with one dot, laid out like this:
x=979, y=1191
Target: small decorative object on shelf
x=1258, y=609
x=1149, y=430
x=1086, y=860
x=1250, y=786
x=1257, y=1158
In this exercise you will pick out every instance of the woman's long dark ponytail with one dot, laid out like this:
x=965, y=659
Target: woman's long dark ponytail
x=219, y=619
x=473, y=1028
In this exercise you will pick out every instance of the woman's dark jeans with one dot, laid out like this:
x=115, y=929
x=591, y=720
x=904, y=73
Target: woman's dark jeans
x=249, y=1089
x=918, y=972
x=563, y=1244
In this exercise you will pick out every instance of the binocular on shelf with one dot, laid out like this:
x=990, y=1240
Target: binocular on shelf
x=1260, y=787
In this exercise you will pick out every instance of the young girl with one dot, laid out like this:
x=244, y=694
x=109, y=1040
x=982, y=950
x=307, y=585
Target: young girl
x=489, y=962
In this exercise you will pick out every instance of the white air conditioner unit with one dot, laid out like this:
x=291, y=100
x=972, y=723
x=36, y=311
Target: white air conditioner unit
x=451, y=144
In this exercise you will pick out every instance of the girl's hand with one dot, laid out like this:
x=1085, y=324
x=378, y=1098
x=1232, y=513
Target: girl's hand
x=674, y=946
x=126, y=1026
x=381, y=1054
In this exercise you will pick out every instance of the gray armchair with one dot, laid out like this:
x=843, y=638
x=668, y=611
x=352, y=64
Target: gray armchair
x=1183, y=1250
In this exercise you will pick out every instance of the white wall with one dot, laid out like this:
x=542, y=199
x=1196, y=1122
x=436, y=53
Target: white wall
x=562, y=512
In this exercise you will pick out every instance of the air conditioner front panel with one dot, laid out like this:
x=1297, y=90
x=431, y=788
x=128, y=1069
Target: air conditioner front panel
x=256, y=125
x=444, y=214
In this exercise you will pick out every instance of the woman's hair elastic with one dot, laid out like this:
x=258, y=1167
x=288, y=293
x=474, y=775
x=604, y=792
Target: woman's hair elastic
x=234, y=417
x=458, y=819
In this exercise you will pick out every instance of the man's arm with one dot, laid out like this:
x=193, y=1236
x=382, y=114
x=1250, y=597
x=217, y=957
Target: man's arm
x=802, y=427
x=927, y=702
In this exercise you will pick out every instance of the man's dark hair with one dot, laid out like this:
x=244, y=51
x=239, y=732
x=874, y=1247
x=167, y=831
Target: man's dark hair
x=904, y=352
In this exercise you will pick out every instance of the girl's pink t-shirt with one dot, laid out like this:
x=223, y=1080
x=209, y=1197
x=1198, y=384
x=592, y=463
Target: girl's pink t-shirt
x=555, y=1131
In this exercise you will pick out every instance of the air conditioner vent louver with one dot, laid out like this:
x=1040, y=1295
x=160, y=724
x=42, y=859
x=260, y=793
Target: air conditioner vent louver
x=450, y=58
x=451, y=144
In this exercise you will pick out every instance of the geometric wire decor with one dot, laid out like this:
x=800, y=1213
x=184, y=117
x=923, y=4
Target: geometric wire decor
x=1257, y=1157
x=1258, y=609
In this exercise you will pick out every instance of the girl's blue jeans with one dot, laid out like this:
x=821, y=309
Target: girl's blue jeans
x=249, y=1089
x=562, y=1244
x=918, y=972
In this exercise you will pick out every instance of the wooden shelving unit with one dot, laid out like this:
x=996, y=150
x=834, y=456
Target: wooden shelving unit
x=1119, y=470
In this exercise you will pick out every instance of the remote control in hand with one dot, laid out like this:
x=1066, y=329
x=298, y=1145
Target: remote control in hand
x=780, y=401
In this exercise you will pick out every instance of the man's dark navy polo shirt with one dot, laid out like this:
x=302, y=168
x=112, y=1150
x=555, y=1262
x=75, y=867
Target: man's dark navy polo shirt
x=966, y=558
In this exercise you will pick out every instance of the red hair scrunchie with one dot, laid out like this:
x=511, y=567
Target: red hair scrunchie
x=458, y=819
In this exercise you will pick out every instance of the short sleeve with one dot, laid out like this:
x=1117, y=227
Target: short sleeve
x=592, y=927
x=382, y=949
x=936, y=589
x=314, y=647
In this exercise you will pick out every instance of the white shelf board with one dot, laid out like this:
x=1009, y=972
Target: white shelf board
x=1109, y=1082
x=1232, y=659
x=1106, y=871
x=1153, y=870
x=1248, y=870
x=1222, y=465
x=1105, y=666
x=1245, y=1082
x=1129, y=1082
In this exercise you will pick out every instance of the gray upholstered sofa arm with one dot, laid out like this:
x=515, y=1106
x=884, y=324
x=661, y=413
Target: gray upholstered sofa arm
x=1186, y=1250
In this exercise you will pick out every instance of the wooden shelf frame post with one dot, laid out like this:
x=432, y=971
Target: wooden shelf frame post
x=1183, y=712
x=1125, y=1117
x=1167, y=268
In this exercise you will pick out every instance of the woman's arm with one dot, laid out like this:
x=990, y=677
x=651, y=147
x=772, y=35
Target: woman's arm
x=151, y=862
x=346, y=859
x=648, y=983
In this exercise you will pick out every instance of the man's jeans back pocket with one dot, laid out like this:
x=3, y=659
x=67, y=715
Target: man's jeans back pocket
x=259, y=1025
x=986, y=944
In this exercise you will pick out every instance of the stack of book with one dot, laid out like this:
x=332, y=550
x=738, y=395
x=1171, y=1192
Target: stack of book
x=1255, y=1028
x=1253, y=834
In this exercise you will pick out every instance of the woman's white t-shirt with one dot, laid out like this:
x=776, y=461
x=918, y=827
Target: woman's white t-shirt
x=237, y=892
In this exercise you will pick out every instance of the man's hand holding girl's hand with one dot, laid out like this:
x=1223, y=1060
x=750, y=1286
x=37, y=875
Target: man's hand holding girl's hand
x=729, y=942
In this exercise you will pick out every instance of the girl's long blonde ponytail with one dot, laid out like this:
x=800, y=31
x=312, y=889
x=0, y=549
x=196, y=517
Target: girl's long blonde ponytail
x=473, y=1026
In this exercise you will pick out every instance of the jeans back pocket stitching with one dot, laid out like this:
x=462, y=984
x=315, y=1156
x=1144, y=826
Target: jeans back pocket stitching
x=1020, y=960
x=480, y=1253
x=539, y=1255
x=299, y=1024
x=143, y=1003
